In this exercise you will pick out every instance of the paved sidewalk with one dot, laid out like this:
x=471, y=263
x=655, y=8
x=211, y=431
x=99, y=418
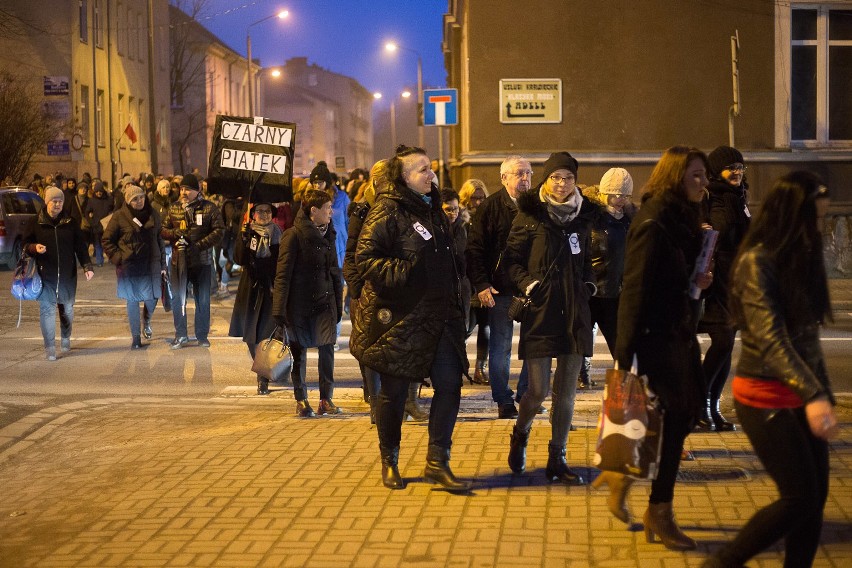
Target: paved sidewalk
x=237, y=480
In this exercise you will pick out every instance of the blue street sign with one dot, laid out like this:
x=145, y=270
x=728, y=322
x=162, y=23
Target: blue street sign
x=440, y=107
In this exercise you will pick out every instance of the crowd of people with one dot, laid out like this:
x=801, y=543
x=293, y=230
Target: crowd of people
x=419, y=268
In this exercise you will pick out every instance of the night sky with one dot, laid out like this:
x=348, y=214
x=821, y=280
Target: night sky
x=344, y=36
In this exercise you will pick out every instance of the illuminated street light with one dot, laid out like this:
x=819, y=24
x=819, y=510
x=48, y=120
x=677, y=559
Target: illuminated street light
x=377, y=96
x=276, y=73
x=250, y=76
x=392, y=47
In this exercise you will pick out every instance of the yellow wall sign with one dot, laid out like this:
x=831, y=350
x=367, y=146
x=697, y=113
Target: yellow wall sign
x=524, y=101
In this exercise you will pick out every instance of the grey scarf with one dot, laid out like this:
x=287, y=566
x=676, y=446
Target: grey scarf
x=562, y=213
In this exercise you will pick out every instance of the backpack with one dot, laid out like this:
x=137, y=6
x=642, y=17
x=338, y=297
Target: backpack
x=26, y=283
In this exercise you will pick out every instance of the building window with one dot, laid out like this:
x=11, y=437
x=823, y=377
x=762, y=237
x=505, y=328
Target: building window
x=100, y=122
x=84, y=20
x=312, y=80
x=821, y=75
x=98, y=23
x=177, y=94
x=141, y=44
x=131, y=109
x=131, y=35
x=84, y=114
x=121, y=30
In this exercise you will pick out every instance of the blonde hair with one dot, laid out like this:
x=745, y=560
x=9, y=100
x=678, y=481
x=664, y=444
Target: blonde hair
x=468, y=188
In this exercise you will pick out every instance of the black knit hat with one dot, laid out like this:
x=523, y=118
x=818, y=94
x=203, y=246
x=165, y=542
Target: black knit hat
x=190, y=181
x=321, y=173
x=721, y=157
x=559, y=161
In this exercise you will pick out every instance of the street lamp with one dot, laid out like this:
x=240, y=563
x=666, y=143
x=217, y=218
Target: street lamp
x=405, y=95
x=392, y=47
x=250, y=75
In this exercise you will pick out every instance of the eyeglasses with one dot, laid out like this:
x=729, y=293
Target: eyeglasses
x=522, y=173
x=736, y=168
x=560, y=179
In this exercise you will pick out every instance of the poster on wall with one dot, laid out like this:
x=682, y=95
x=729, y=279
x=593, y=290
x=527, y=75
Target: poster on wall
x=253, y=158
x=530, y=101
x=55, y=85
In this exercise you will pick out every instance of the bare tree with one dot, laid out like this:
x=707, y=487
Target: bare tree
x=188, y=75
x=26, y=126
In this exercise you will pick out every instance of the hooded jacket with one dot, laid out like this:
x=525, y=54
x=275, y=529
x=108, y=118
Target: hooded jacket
x=558, y=321
x=411, y=293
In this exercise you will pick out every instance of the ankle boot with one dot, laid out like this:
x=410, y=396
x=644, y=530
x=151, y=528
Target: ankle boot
x=413, y=409
x=480, y=375
x=705, y=422
x=557, y=468
x=390, y=473
x=262, y=385
x=619, y=486
x=719, y=421
x=518, y=450
x=438, y=469
x=659, y=520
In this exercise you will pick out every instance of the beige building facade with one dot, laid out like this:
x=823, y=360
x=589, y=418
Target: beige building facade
x=615, y=83
x=97, y=63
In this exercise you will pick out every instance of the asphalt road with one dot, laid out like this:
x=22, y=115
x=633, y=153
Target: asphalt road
x=101, y=364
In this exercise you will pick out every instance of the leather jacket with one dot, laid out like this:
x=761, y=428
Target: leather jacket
x=201, y=223
x=775, y=346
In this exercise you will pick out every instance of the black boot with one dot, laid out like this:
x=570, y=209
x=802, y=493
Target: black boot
x=518, y=450
x=373, y=400
x=584, y=381
x=390, y=473
x=705, y=422
x=557, y=468
x=719, y=421
x=413, y=409
x=480, y=375
x=262, y=385
x=438, y=469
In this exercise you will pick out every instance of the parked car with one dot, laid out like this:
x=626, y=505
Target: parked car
x=19, y=207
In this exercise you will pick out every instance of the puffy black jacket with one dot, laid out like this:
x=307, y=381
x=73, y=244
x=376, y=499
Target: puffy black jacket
x=134, y=250
x=65, y=244
x=775, y=345
x=411, y=293
x=357, y=214
x=308, y=292
x=558, y=321
x=489, y=230
x=202, y=236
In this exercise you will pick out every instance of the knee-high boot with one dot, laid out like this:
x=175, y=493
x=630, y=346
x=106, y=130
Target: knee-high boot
x=438, y=469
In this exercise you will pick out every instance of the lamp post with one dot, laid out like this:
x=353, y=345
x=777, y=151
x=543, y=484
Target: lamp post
x=250, y=75
x=391, y=46
x=405, y=95
x=275, y=73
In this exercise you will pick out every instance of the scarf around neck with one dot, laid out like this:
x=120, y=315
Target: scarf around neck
x=562, y=213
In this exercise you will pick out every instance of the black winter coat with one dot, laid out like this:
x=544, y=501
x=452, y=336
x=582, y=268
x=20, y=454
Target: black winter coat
x=489, y=230
x=411, y=293
x=96, y=209
x=65, y=243
x=160, y=204
x=779, y=342
x=609, y=241
x=202, y=236
x=558, y=321
x=656, y=318
x=138, y=253
x=728, y=214
x=357, y=214
x=308, y=292
x=252, y=315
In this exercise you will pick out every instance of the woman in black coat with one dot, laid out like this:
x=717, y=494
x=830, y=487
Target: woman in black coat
x=548, y=259
x=132, y=242
x=727, y=201
x=308, y=297
x=98, y=207
x=656, y=320
x=257, y=252
x=411, y=320
x=56, y=242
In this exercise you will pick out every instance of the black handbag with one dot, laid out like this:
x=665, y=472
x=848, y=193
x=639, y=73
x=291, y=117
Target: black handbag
x=272, y=358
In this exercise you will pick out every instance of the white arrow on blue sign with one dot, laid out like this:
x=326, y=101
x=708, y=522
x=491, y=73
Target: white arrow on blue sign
x=440, y=107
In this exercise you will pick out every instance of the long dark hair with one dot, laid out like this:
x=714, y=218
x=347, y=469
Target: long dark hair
x=396, y=167
x=667, y=177
x=787, y=228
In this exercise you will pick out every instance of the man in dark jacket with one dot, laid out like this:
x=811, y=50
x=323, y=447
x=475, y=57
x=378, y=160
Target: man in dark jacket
x=57, y=240
x=193, y=226
x=488, y=233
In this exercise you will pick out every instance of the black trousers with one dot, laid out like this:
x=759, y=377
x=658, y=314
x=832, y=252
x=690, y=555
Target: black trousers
x=797, y=461
x=446, y=377
x=717, y=360
x=605, y=314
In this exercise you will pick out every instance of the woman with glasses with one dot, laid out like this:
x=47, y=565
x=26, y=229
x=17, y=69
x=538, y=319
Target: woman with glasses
x=727, y=201
x=779, y=299
x=257, y=253
x=547, y=256
x=471, y=195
